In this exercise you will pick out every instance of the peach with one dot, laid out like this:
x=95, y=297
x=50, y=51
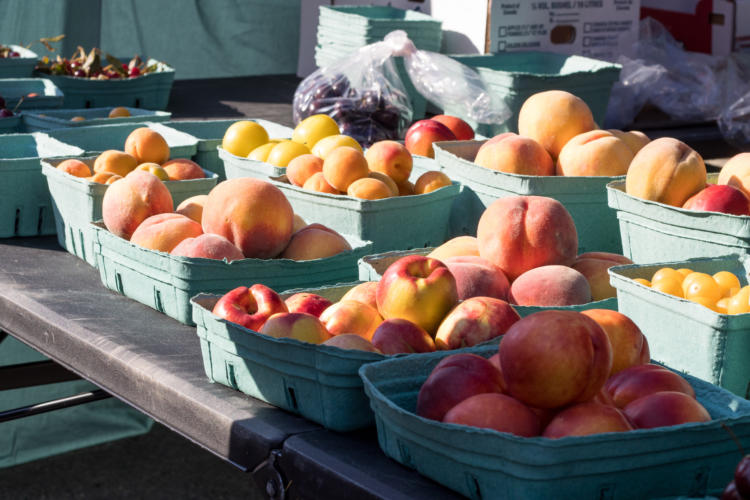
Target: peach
x=182, y=169
x=386, y=180
x=133, y=199
x=299, y=223
x=454, y=379
x=554, y=117
x=519, y=233
x=594, y=266
x=550, y=286
x=193, y=207
x=459, y=246
x=208, y=246
x=390, y=158
x=495, y=411
x=719, y=198
x=249, y=307
x=365, y=293
x=420, y=136
x=663, y=409
x=309, y=303
x=349, y=316
x=594, y=153
x=431, y=181
x=251, y=213
x=736, y=173
x=419, y=289
x=474, y=321
x=643, y=379
x=477, y=277
x=460, y=128
x=513, y=154
x=147, y=146
x=163, y=232
x=75, y=168
x=351, y=342
x=368, y=188
x=302, y=168
x=394, y=336
x=300, y=326
x=554, y=358
x=104, y=178
x=585, y=419
x=667, y=171
x=312, y=242
x=115, y=162
x=328, y=144
x=155, y=169
x=626, y=339
x=343, y=166
x=406, y=188
x=634, y=139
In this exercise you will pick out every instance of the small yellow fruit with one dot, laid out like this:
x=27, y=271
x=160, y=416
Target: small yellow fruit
x=643, y=281
x=285, y=151
x=261, y=152
x=243, y=136
x=727, y=282
x=313, y=128
x=328, y=144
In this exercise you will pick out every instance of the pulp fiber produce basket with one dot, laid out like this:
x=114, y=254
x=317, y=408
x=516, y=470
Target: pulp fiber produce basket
x=372, y=267
x=513, y=77
x=77, y=202
x=656, y=232
x=11, y=124
x=149, y=91
x=584, y=197
x=61, y=118
x=94, y=140
x=372, y=23
x=686, y=335
x=18, y=67
x=684, y=460
x=31, y=93
x=210, y=134
x=166, y=282
x=25, y=206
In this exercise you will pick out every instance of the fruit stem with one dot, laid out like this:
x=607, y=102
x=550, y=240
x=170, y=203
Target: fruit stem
x=734, y=438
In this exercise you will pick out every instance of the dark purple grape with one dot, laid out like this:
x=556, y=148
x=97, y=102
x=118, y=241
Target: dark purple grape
x=387, y=118
x=742, y=476
x=323, y=91
x=13, y=53
x=322, y=106
x=731, y=493
x=340, y=86
x=5, y=113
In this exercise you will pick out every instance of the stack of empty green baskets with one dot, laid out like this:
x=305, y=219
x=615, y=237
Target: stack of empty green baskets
x=342, y=30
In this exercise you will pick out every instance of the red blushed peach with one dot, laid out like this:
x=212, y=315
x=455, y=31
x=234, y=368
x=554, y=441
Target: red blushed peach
x=495, y=411
x=249, y=307
x=311, y=242
x=477, y=277
x=208, y=246
x=302, y=168
x=365, y=293
x=420, y=136
x=251, y=213
x=309, y=303
x=349, y=316
x=513, y=154
x=351, y=342
x=635, y=139
x=641, y=380
x=163, y=232
x=594, y=266
x=626, y=338
x=133, y=199
x=459, y=246
x=585, y=419
x=454, y=379
x=519, y=233
x=594, y=153
x=663, y=409
x=419, y=289
x=390, y=158
x=550, y=286
x=554, y=358
x=394, y=336
x=193, y=207
x=474, y=321
x=182, y=169
x=460, y=128
x=300, y=326
x=75, y=168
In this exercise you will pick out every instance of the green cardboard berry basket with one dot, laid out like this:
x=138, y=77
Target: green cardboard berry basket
x=688, y=336
x=25, y=206
x=656, y=232
x=584, y=197
x=166, y=282
x=18, y=67
x=372, y=267
x=150, y=91
x=77, y=202
x=40, y=436
x=210, y=134
x=692, y=459
x=94, y=140
x=11, y=124
x=35, y=121
x=17, y=90
x=377, y=21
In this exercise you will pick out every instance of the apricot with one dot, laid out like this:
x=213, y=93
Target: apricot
x=163, y=232
x=104, y=178
x=513, y=154
x=118, y=112
x=155, y=169
x=406, y=188
x=75, y=168
x=302, y=168
x=318, y=183
x=594, y=153
x=431, y=181
x=312, y=242
x=343, y=166
x=460, y=246
x=147, y=146
x=390, y=158
x=181, y=169
x=368, y=188
x=115, y=162
x=328, y=144
x=386, y=180
x=133, y=199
